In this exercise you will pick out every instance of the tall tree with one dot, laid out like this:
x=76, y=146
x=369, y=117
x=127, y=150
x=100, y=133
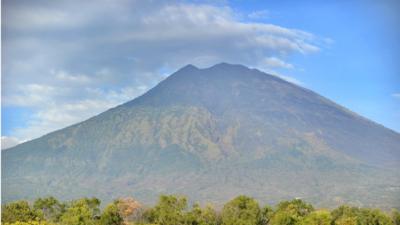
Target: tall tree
x=202, y=216
x=283, y=218
x=241, y=210
x=291, y=212
x=129, y=209
x=51, y=208
x=320, y=217
x=84, y=211
x=345, y=215
x=169, y=210
x=396, y=217
x=373, y=217
x=19, y=211
x=266, y=214
x=111, y=216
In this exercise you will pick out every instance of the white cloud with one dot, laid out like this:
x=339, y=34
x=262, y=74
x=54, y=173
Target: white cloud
x=328, y=41
x=65, y=77
x=44, y=15
x=285, y=77
x=396, y=95
x=66, y=61
x=57, y=106
x=261, y=14
x=275, y=62
x=39, y=18
x=30, y=95
x=290, y=79
x=8, y=142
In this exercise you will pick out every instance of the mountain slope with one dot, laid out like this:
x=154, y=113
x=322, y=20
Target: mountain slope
x=212, y=134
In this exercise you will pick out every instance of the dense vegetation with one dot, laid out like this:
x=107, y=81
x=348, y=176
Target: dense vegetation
x=174, y=210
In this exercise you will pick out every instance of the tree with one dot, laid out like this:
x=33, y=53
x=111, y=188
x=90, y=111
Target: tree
x=373, y=217
x=291, y=212
x=169, y=210
x=321, y=217
x=84, y=211
x=346, y=220
x=297, y=206
x=111, y=216
x=266, y=215
x=19, y=211
x=129, y=209
x=241, y=210
x=283, y=218
x=51, y=208
x=77, y=215
x=199, y=216
x=345, y=215
x=93, y=204
x=396, y=217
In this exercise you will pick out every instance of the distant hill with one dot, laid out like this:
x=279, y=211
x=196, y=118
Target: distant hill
x=213, y=134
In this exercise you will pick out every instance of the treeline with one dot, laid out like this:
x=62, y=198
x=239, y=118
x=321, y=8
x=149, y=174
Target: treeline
x=174, y=210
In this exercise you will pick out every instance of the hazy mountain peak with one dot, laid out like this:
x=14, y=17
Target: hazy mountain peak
x=226, y=65
x=188, y=67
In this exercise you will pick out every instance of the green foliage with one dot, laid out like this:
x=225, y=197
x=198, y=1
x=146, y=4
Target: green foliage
x=174, y=210
x=283, y=218
x=200, y=216
x=81, y=212
x=321, y=217
x=51, y=208
x=396, y=217
x=266, y=214
x=241, y=210
x=19, y=211
x=291, y=212
x=345, y=215
x=297, y=207
x=346, y=220
x=30, y=223
x=373, y=217
x=77, y=215
x=169, y=210
x=111, y=216
x=92, y=203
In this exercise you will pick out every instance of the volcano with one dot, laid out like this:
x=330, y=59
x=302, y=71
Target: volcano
x=212, y=134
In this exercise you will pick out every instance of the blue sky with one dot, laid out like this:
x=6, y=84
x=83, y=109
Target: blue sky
x=360, y=69
x=65, y=61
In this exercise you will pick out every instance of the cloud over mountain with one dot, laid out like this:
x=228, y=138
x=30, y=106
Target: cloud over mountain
x=93, y=55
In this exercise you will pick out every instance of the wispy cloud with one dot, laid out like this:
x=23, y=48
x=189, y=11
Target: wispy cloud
x=290, y=79
x=275, y=62
x=68, y=61
x=285, y=77
x=260, y=14
x=396, y=95
x=8, y=142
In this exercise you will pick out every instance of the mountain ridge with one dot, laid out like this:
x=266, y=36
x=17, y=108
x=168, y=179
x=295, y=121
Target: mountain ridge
x=201, y=131
x=191, y=66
